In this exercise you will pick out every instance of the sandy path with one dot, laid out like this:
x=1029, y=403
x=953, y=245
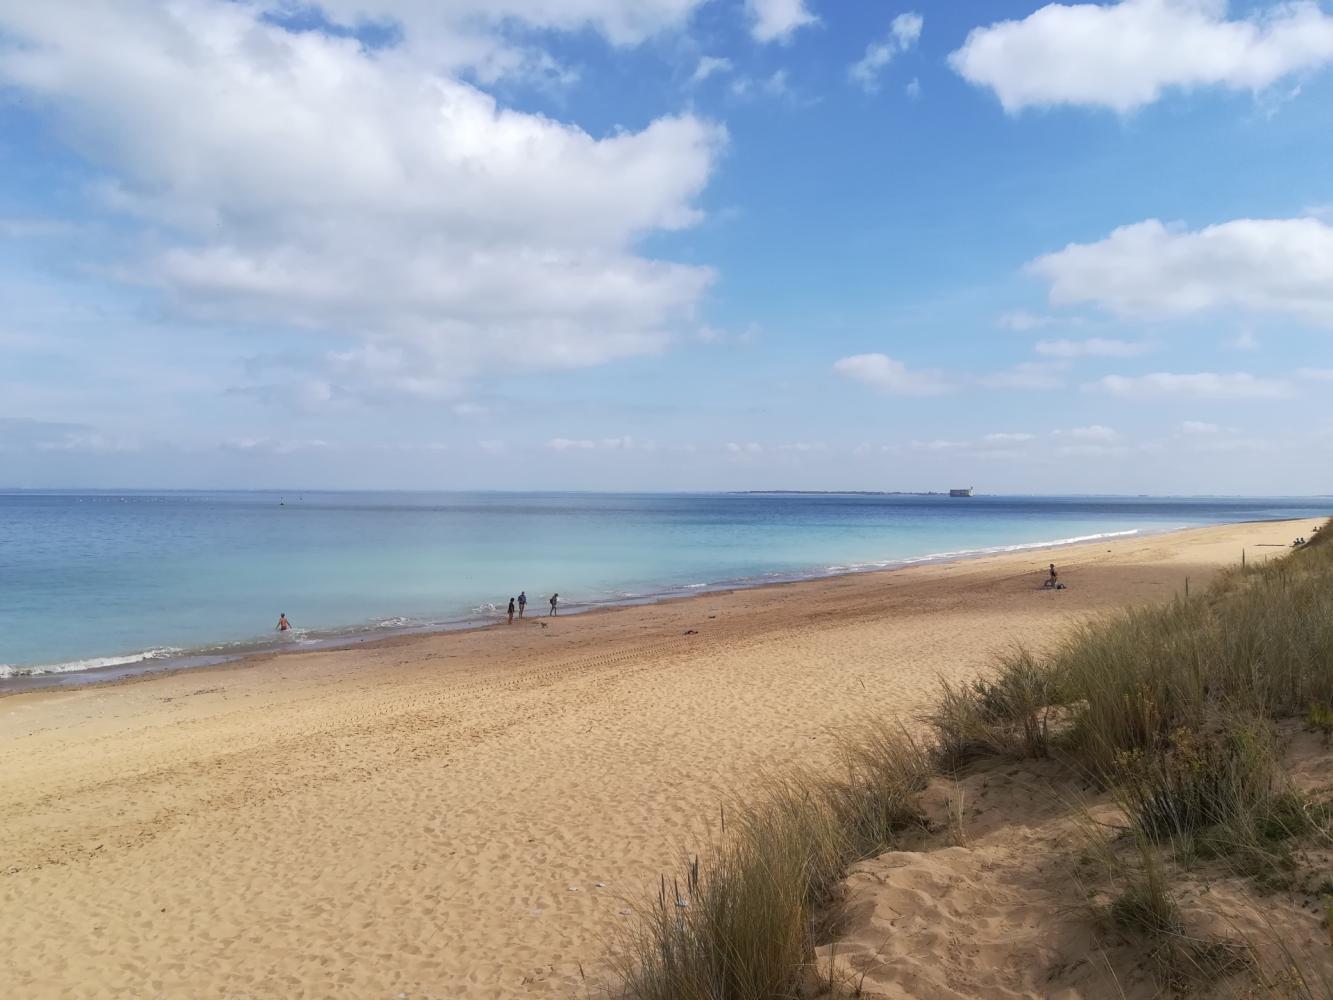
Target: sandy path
x=408, y=818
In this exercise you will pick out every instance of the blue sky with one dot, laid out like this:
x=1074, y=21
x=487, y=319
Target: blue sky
x=667, y=244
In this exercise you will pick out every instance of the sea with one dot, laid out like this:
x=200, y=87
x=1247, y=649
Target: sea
x=96, y=584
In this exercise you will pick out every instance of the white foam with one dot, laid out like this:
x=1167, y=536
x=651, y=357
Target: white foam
x=990, y=550
x=92, y=663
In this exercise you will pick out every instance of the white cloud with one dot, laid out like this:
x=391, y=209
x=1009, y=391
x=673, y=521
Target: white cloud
x=904, y=32
x=736, y=448
x=1316, y=374
x=778, y=20
x=1198, y=427
x=570, y=444
x=293, y=178
x=937, y=445
x=1245, y=341
x=709, y=66
x=624, y=443
x=891, y=376
x=1096, y=432
x=775, y=85
x=1122, y=56
x=913, y=88
x=1022, y=320
x=1007, y=438
x=1154, y=271
x=1200, y=385
x=474, y=26
x=1093, y=347
x=1028, y=375
x=274, y=446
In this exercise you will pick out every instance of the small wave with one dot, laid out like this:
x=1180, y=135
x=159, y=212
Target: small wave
x=92, y=663
x=395, y=622
x=989, y=550
x=486, y=608
x=693, y=586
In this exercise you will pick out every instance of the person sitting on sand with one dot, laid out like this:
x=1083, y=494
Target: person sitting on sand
x=555, y=603
x=283, y=623
x=511, y=611
x=522, y=602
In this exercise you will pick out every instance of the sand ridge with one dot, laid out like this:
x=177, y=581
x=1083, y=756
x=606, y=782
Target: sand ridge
x=472, y=814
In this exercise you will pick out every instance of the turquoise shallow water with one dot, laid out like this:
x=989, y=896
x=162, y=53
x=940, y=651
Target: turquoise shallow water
x=96, y=580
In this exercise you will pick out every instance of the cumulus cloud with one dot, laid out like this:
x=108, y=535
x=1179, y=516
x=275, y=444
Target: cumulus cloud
x=295, y=178
x=777, y=20
x=1001, y=437
x=1124, y=55
x=1150, y=270
x=1093, y=347
x=470, y=32
x=891, y=376
x=1199, y=385
x=904, y=32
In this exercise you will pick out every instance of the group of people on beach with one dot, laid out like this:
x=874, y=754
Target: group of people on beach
x=1303, y=540
x=520, y=604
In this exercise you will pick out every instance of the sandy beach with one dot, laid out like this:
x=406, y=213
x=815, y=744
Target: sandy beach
x=476, y=814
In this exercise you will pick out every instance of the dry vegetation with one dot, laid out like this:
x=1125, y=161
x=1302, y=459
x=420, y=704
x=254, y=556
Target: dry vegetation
x=1176, y=716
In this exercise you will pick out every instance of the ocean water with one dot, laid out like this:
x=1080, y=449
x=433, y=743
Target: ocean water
x=97, y=580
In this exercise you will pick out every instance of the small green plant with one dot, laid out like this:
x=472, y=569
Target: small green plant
x=1202, y=778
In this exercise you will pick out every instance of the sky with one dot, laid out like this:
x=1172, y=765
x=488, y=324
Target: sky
x=667, y=245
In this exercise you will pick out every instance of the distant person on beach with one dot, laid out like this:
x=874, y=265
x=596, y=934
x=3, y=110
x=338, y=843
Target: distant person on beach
x=1054, y=577
x=511, y=611
x=522, y=602
x=283, y=623
x=555, y=605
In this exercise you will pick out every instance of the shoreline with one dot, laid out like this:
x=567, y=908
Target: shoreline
x=169, y=661
x=481, y=814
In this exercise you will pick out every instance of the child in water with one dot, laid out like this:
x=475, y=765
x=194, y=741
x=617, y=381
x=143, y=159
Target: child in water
x=283, y=623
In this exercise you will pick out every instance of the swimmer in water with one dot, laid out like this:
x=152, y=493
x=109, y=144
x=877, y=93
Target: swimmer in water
x=283, y=623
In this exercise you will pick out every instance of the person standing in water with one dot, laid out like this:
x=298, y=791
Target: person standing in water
x=555, y=604
x=522, y=602
x=283, y=623
x=511, y=611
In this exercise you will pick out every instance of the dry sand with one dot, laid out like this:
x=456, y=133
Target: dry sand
x=469, y=815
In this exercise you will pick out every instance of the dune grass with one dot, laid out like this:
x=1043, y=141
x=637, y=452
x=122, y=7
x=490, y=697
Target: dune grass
x=742, y=921
x=1173, y=706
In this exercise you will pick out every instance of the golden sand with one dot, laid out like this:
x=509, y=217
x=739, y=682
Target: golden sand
x=474, y=814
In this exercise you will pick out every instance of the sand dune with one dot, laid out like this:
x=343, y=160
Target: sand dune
x=472, y=815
